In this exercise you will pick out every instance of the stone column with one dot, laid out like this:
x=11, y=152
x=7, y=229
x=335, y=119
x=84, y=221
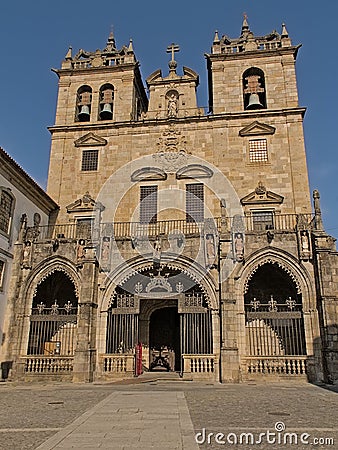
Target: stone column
x=85, y=353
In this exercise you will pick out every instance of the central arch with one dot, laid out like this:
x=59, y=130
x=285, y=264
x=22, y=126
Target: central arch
x=165, y=311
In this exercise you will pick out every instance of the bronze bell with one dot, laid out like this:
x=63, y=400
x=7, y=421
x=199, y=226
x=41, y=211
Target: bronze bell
x=254, y=102
x=84, y=114
x=106, y=113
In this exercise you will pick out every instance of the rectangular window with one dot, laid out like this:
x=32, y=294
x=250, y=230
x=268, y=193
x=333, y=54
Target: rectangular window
x=148, y=204
x=84, y=228
x=258, y=150
x=262, y=220
x=2, y=271
x=194, y=202
x=6, y=206
x=89, y=160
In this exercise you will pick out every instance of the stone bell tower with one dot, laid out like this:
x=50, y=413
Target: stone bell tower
x=252, y=81
x=97, y=91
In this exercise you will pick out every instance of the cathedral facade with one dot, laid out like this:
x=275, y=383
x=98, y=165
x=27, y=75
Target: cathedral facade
x=185, y=239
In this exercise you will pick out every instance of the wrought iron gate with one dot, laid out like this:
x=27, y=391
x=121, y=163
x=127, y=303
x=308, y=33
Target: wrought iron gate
x=275, y=337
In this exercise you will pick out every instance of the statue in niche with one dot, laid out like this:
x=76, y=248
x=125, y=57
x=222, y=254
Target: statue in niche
x=105, y=252
x=239, y=247
x=210, y=250
x=305, y=242
x=26, y=255
x=80, y=251
x=172, y=106
x=157, y=253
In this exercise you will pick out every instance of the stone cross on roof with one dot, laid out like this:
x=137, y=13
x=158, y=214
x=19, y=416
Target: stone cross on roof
x=172, y=48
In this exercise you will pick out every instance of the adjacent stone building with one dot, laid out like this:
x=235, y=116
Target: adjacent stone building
x=185, y=238
x=23, y=204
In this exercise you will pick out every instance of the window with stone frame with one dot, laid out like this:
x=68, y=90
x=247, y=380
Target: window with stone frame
x=148, y=204
x=258, y=151
x=6, y=210
x=84, y=227
x=194, y=202
x=262, y=220
x=90, y=159
x=2, y=272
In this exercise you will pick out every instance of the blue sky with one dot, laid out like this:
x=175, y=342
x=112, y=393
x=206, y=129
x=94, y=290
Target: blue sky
x=34, y=37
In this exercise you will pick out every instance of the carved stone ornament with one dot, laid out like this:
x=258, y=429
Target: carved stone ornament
x=283, y=266
x=261, y=195
x=171, y=154
x=257, y=129
x=90, y=140
x=86, y=203
x=159, y=283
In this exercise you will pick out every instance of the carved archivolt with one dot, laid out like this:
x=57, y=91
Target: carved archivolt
x=52, y=269
x=269, y=260
x=195, y=277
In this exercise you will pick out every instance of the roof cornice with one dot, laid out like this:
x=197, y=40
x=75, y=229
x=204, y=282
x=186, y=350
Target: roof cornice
x=15, y=174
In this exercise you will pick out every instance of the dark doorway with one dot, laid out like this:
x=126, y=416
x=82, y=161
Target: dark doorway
x=164, y=340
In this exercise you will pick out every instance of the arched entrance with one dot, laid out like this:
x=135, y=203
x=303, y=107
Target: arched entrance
x=156, y=314
x=164, y=339
x=53, y=318
x=274, y=323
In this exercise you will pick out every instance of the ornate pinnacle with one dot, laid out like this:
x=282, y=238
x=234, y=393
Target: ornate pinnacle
x=130, y=46
x=245, y=25
x=285, y=33
x=69, y=53
x=216, y=37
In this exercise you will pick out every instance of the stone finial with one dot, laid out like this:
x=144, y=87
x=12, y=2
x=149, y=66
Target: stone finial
x=318, y=212
x=285, y=39
x=216, y=38
x=69, y=54
x=130, y=46
x=245, y=24
x=284, y=33
x=111, y=44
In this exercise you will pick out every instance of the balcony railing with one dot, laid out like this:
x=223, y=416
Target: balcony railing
x=251, y=223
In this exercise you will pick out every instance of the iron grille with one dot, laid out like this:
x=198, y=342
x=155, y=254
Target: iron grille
x=89, y=160
x=195, y=202
x=148, y=204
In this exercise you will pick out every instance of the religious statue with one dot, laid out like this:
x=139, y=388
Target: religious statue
x=172, y=106
x=26, y=255
x=80, y=252
x=157, y=253
x=105, y=252
x=210, y=250
x=239, y=247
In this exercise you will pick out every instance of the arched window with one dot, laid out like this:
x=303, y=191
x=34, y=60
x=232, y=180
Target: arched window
x=6, y=209
x=254, y=94
x=106, y=102
x=83, y=104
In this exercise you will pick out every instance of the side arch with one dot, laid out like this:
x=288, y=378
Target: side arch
x=287, y=262
x=44, y=270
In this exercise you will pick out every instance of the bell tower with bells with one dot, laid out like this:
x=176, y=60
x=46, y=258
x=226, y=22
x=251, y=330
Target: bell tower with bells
x=97, y=91
x=252, y=85
x=252, y=72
